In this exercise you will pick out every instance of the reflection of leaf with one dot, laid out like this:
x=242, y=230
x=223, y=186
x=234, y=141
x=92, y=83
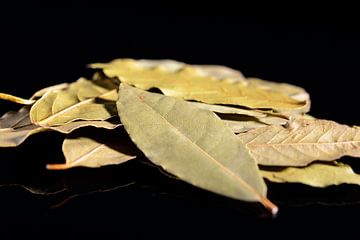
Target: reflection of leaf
x=188, y=84
x=316, y=175
x=302, y=142
x=60, y=107
x=94, y=152
x=204, y=152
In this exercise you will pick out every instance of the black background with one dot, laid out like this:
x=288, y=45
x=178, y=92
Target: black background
x=46, y=45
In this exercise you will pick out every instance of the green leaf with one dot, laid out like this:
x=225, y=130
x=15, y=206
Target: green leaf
x=316, y=174
x=189, y=84
x=192, y=144
x=301, y=142
x=63, y=106
x=95, y=151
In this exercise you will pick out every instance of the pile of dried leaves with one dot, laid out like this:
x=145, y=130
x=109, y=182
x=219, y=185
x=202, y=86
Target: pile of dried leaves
x=207, y=125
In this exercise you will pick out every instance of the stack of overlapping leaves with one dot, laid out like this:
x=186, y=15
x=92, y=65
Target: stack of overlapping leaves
x=207, y=125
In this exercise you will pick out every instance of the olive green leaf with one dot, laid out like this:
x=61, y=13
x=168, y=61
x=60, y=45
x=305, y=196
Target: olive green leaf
x=203, y=152
x=188, y=84
x=301, y=142
x=94, y=152
x=316, y=174
x=63, y=106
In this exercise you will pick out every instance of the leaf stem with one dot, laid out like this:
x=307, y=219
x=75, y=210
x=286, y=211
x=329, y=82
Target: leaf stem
x=269, y=206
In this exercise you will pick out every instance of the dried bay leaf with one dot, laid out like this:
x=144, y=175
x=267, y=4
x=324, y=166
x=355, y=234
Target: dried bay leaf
x=42, y=92
x=216, y=71
x=188, y=84
x=316, y=174
x=71, y=126
x=15, y=127
x=95, y=151
x=293, y=91
x=12, y=98
x=244, y=123
x=228, y=110
x=221, y=73
x=14, y=119
x=10, y=137
x=301, y=142
x=63, y=106
x=204, y=152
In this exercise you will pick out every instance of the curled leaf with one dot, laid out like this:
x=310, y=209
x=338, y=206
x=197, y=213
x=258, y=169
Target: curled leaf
x=63, y=106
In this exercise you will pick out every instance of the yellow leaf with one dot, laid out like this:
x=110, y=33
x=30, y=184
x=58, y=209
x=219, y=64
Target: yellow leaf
x=188, y=83
x=316, y=175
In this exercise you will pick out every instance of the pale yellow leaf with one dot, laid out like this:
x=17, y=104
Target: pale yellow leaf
x=95, y=151
x=63, y=106
x=316, y=175
x=188, y=84
x=301, y=142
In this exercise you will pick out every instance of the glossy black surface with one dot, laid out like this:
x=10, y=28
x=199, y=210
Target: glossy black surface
x=44, y=47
